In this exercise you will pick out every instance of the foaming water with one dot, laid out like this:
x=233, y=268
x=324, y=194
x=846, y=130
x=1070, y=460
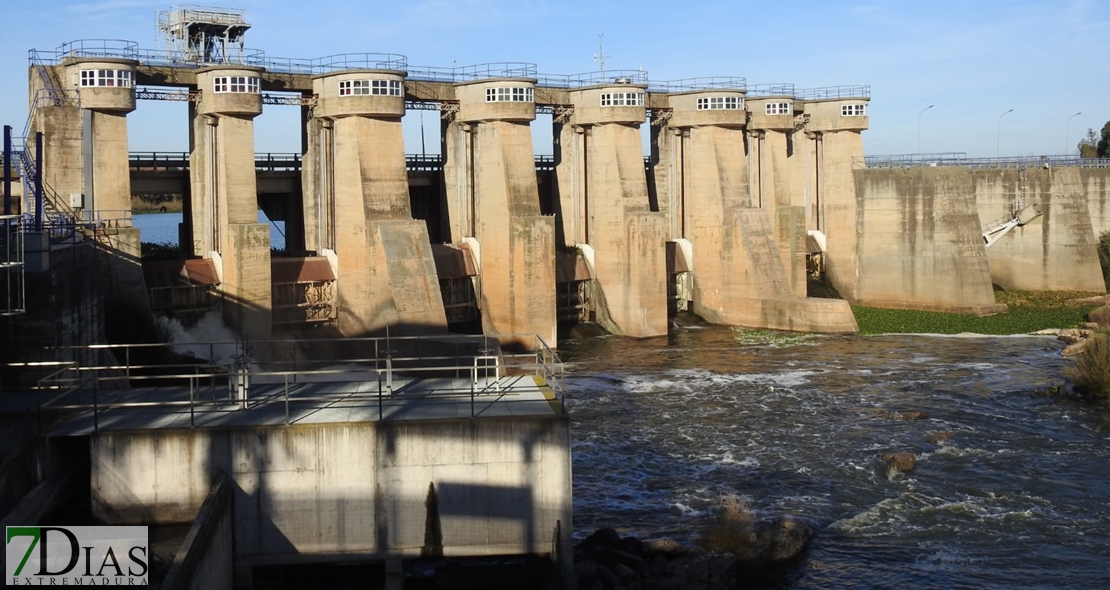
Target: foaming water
x=194, y=340
x=1011, y=495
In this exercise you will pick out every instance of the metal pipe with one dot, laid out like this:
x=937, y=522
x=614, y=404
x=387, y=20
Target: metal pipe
x=7, y=169
x=39, y=205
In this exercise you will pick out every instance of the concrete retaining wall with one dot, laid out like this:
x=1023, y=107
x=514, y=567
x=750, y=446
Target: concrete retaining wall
x=502, y=485
x=1058, y=251
x=919, y=244
x=206, y=560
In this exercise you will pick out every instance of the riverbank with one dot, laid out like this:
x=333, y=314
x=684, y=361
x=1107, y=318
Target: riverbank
x=1028, y=312
x=156, y=204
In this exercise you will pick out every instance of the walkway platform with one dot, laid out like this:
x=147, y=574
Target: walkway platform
x=475, y=381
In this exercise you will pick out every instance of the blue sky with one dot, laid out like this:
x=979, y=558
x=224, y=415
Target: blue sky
x=972, y=59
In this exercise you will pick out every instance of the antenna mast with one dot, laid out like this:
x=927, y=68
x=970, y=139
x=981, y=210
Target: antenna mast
x=600, y=55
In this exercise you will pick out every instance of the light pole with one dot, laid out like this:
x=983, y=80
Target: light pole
x=1067, y=134
x=998, y=135
x=919, y=127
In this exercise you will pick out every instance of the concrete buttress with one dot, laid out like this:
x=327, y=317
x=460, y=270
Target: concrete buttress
x=357, y=205
x=608, y=208
x=489, y=151
x=224, y=196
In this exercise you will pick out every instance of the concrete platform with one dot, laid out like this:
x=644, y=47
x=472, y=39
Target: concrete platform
x=319, y=402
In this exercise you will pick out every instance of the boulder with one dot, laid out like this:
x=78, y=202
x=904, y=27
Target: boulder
x=902, y=461
x=665, y=547
x=1073, y=335
x=916, y=415
x=938, y=438
x=1100, y=316
x=782, y=540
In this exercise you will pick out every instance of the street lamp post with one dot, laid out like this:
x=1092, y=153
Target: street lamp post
x=919, y=126
x=1067, y=134
x=998, y=135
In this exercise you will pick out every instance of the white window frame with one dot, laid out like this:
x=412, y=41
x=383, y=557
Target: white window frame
x=778, y=108
x=622, y=99
x=511, y=94
x=717, y=103
x=236, y=85
x=104, y=78
x=853, y=110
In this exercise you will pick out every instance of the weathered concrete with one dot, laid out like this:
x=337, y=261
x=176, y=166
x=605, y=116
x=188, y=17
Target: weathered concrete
x=517, y=244
x=1095, y=185
x=224, y=199
x=1057, y=251
x=302, y=492
x=357, y=204
x=86, y=139
x=919, y=245
x=206, y=557
x=606, y=204
x=743, y=273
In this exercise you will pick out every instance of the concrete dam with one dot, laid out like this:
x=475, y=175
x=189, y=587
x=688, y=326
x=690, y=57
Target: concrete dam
x=394, y=441
x=741, y=186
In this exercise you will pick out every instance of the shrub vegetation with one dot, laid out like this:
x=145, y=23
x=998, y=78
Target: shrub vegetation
x=1090, y=375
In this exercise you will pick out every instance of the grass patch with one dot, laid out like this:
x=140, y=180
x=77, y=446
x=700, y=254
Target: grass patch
x=1029, y=311
x=753, y=337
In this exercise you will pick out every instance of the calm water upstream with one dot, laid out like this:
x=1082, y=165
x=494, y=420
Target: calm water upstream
x=1018, y=498
x=161, y=228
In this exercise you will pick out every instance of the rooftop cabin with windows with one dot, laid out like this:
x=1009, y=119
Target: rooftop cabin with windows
x=497, y=99
x=771, y=106
x=836, y=108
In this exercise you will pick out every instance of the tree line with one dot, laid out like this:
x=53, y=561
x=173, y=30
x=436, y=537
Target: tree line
x=1096, y=145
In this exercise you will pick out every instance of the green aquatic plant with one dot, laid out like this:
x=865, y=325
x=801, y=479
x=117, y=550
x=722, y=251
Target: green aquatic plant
x=753, y=337
x=1027, y=312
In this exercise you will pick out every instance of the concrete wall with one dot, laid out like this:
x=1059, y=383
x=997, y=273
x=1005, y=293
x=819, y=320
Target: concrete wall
x=206, y=559
x=1057, y=251
x=357, y=203
x=626, y=235
x=919, y=245
x=1095, y=184
x=517, y=260
x=350, y=488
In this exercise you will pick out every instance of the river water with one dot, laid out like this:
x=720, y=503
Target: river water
x=161, y=228
x=1019, y=497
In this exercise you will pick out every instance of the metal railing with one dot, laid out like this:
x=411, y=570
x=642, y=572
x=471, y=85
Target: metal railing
x=173, y=161
x=509, y=69
x=13, y=299
x=773, y=89
x=119, y=48
x=961, y=159
x=115, y=48
x=831, y=92
x=710, y=83
x=593, y=78
x=221, y=375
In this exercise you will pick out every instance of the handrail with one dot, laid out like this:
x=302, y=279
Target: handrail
x=830, y=92
x=487, y=375
x=961, y=159
x=710, y=83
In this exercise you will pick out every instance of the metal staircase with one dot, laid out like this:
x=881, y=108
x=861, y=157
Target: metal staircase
x=995, y=230
x=55, y=216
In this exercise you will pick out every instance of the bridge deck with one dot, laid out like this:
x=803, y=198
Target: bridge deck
x=360, y=399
